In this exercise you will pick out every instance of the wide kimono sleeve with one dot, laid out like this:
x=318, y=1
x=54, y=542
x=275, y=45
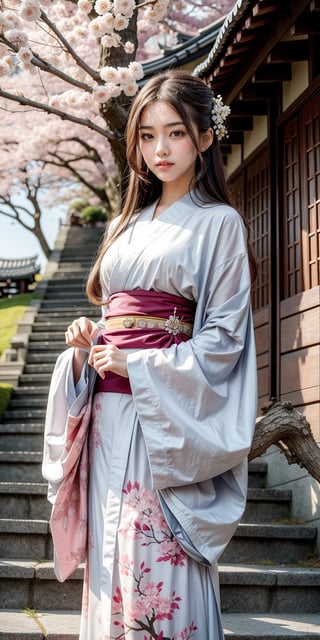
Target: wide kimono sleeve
x=65, y=400
x=197, y=401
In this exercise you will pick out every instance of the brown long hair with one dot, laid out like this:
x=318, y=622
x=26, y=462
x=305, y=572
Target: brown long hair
x=192, y=99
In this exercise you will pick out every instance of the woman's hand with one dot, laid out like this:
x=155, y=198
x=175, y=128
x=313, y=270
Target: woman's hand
x=81, y=333
x=107, y=357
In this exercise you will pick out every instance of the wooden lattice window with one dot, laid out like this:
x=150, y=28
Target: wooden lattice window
x=258, y=212
x=311, y=224
x=292, y=281
x=301, y=201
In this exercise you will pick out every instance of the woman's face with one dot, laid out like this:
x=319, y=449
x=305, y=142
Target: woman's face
x=166, y=145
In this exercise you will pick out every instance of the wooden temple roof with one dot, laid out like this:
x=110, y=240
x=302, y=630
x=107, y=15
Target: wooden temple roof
x=191, y=50
x=253, y=54
x=18, y=268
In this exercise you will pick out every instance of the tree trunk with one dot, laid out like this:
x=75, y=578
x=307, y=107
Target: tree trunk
x=42, y=241
x=289, y=430
x=115, y=111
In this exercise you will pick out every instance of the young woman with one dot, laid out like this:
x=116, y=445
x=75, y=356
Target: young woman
x=175, y=396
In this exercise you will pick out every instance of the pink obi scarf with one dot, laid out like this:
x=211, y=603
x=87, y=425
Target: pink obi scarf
x=142, y=319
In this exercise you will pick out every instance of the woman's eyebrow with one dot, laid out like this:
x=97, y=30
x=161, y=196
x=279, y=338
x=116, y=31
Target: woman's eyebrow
x=170, y=124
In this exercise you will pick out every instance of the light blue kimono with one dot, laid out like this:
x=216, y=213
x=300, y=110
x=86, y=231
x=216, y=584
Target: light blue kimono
x=172, y=458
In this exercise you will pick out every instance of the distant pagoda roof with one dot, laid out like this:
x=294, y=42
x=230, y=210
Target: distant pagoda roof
x=18, y=268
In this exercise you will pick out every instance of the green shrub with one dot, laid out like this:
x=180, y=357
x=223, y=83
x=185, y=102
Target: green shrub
x=5, y=394
x=92, y=214
x=78, y=205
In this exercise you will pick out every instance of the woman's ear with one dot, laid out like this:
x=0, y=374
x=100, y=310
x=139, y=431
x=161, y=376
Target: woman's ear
x=206, y=140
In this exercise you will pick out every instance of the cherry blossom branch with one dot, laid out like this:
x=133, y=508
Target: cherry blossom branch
x=81, y=63
x=39, y=63
x=85, y=122
x=100, y=192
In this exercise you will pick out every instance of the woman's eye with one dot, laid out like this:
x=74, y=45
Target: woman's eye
x=177, y=133
x=146, y=136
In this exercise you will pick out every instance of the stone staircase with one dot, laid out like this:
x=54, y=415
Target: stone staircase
x=267, y=588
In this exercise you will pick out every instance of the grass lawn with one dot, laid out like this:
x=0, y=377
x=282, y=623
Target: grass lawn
x=11, y=311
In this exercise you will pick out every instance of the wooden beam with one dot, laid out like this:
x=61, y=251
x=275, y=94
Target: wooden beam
x=235, y=137
x=240, y=123
x=289, y=51
x=254, y=107
x=279, y=72
x=306, y=24
x=286, y=16
x=259, y=91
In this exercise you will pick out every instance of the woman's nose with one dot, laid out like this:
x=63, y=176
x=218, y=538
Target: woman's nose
x=162, y=148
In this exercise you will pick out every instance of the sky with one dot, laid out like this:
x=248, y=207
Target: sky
x=17, y=242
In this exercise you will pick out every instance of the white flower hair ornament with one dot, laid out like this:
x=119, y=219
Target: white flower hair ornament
x=219, y=115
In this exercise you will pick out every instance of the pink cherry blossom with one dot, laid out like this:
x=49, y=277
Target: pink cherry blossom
x=109, y=74
x=85, y=6
x=112, y=40
x=136, y=70
x=126, y=7
x=30, y=10
x=24, y=54
x=17, y=37
x=128, y=47
x=120, y=22
x=130, y=89
x=102, y=6
x=5, y=68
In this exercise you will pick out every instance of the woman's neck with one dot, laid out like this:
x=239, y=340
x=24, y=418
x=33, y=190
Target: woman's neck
x=168, y=197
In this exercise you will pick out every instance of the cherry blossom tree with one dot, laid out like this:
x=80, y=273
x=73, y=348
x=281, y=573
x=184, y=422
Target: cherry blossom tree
x=68, y=72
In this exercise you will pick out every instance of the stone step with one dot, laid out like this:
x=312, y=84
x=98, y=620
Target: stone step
x=77, y=304
x=27, y=500
x=63, y=284
x=65, y=314
x=60, y=280
x=69, y=294
x=266, y=543
x=30, y=413
x=244, y=589
x=53, y=325
x=267, y=505
x=46, y=337
x=65, y=625
x=26, y=400
x=35, y=379
x=49, y=347
x=270, y=589
x=30, y=391
x=25, y=538
x=275, y=543
x=57, y=301
x=258, y=471
x=41, y=358
x=40, y=367
x=21, y=436
x=20, y=466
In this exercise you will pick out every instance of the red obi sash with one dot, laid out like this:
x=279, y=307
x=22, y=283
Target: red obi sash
x=128, y=304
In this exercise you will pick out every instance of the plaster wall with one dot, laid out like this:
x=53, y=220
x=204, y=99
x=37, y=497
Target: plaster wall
x=234, y=159
x=253, y=139
x=297, y=85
